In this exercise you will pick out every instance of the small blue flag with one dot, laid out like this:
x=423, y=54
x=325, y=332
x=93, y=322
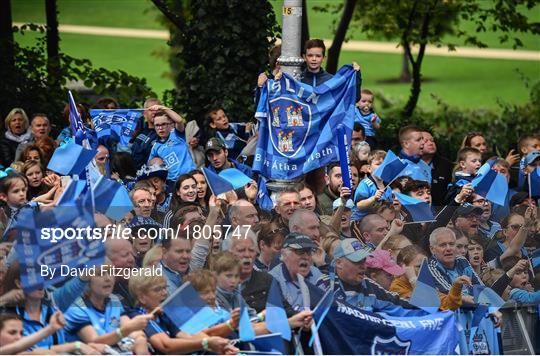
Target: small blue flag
x=118, y=124
x=276, y=318
x=245, y=329
x=71, y=193
x=56, y=240
x=486, y=296
x=268, y=344
x=343, y=156
x=217, y=184
x=490, y=184
x=263, y=197
x=424, y=295
x=420, y=210
x=112, y=199
x=321, y=310
x=188, y=311
x=535, y=258
x=390, y=168
x=78, y=131
x=235, y=177
x=70, y=159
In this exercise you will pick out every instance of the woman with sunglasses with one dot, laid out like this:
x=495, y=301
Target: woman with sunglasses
x=510, y=240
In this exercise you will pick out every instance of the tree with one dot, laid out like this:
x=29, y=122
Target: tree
x=414, y=24
x=217, y=50
x=53, y=45
x=7, y=60
x=339, y=36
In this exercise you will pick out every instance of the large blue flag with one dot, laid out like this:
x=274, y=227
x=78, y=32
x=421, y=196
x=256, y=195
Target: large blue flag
x=425, y=294
x=298, y=123
x=276, y=318
x=188, y=311
x=70, y=159
x=52, y=243
x=490, y=184
x=118, y=124
x=420, y=210
x=112, y=199
x=391, y=168
x=217, y=184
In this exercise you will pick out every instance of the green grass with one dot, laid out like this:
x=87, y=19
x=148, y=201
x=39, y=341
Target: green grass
x=467, y=83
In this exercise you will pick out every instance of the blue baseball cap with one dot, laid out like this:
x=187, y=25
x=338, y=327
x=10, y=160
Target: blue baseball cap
x=531, y=157
x=352, y=249
x=299, y=242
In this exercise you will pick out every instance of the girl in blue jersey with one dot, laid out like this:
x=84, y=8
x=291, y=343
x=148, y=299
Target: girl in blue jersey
x=98, y=317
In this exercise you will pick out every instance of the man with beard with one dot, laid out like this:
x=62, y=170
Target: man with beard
x=331, y=191
x=297, y=257
x=441, y=169
x=412, y=146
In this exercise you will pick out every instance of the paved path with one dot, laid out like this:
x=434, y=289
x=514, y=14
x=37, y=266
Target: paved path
x=359, y=46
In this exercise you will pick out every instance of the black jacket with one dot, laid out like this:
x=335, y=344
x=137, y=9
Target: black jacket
x=441, y=177
x=256, y=291
x=8, y=148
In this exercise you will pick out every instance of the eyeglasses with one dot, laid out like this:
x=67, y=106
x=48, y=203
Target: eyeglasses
x=516, y=226
x=480, y=202
x=303, y=252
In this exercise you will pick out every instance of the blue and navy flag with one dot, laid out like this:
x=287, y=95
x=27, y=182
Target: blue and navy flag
x=425, y=295
x=276, y=318
x=534, y=182
x=78, y=131
x=263, y=197
x=50, y=243
x=320, y=312
x=298, y=123
x=112, y=199
x=118, y=124
x=420, y=210
x=235, y=177
x=188, y=311
x=270, y=344
x=490, y=184
x=390, y=168
x=71, y=159
x=71, y=193
x=217, y=184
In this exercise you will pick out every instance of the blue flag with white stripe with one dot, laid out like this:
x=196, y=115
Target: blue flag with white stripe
x=53, y=241
x=276, y=318
x=425, y=295
x=188, y=311
x=490, y=184
x=71, y=159
x=390, y=168
x=118, y=124
x=112, y=198
x=298, y=123
x=420, y=210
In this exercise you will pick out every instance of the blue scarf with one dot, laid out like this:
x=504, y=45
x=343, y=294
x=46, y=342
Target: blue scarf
x=414, y=159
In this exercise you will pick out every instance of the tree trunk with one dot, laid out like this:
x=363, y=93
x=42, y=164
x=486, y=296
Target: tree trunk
x=339, y=36
x=305, y=25
x=7, y=53
x=405, y=75
x=415, y=89
x=53, y=45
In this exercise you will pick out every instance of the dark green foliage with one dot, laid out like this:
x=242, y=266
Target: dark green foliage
x=217, y=54
x=28, y=85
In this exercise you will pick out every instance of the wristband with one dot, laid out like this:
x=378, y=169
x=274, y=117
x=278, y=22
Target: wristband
x=205, y=344
x=77, y=346
x=229, y=325
x=119, y=333
x=261, y=316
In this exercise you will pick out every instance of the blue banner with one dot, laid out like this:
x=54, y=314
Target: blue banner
x=298, y=123
x=118, y=124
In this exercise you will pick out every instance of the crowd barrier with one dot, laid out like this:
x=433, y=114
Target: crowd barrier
x=520, y=330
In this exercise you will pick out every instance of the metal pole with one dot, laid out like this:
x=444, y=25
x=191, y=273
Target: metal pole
x=291, y=59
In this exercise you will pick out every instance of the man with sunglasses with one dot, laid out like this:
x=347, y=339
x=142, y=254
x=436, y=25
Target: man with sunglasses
x=487, y=228
x=297, y=257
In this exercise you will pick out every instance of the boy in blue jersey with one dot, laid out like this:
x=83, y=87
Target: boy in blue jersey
x=371, y=189
x=170, y=146
x=234, y=135
x=365, y=115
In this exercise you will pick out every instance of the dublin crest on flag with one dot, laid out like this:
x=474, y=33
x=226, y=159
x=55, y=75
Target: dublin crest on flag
x=298, y=122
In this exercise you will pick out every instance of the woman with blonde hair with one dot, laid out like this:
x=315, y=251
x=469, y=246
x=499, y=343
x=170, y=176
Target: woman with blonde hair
x=17, y=130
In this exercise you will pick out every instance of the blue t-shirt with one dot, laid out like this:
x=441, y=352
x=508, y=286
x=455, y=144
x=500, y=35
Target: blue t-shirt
x=175, y=153
x=31, y=326
x=365, y=121
x=367, y=188
x=83, y=313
